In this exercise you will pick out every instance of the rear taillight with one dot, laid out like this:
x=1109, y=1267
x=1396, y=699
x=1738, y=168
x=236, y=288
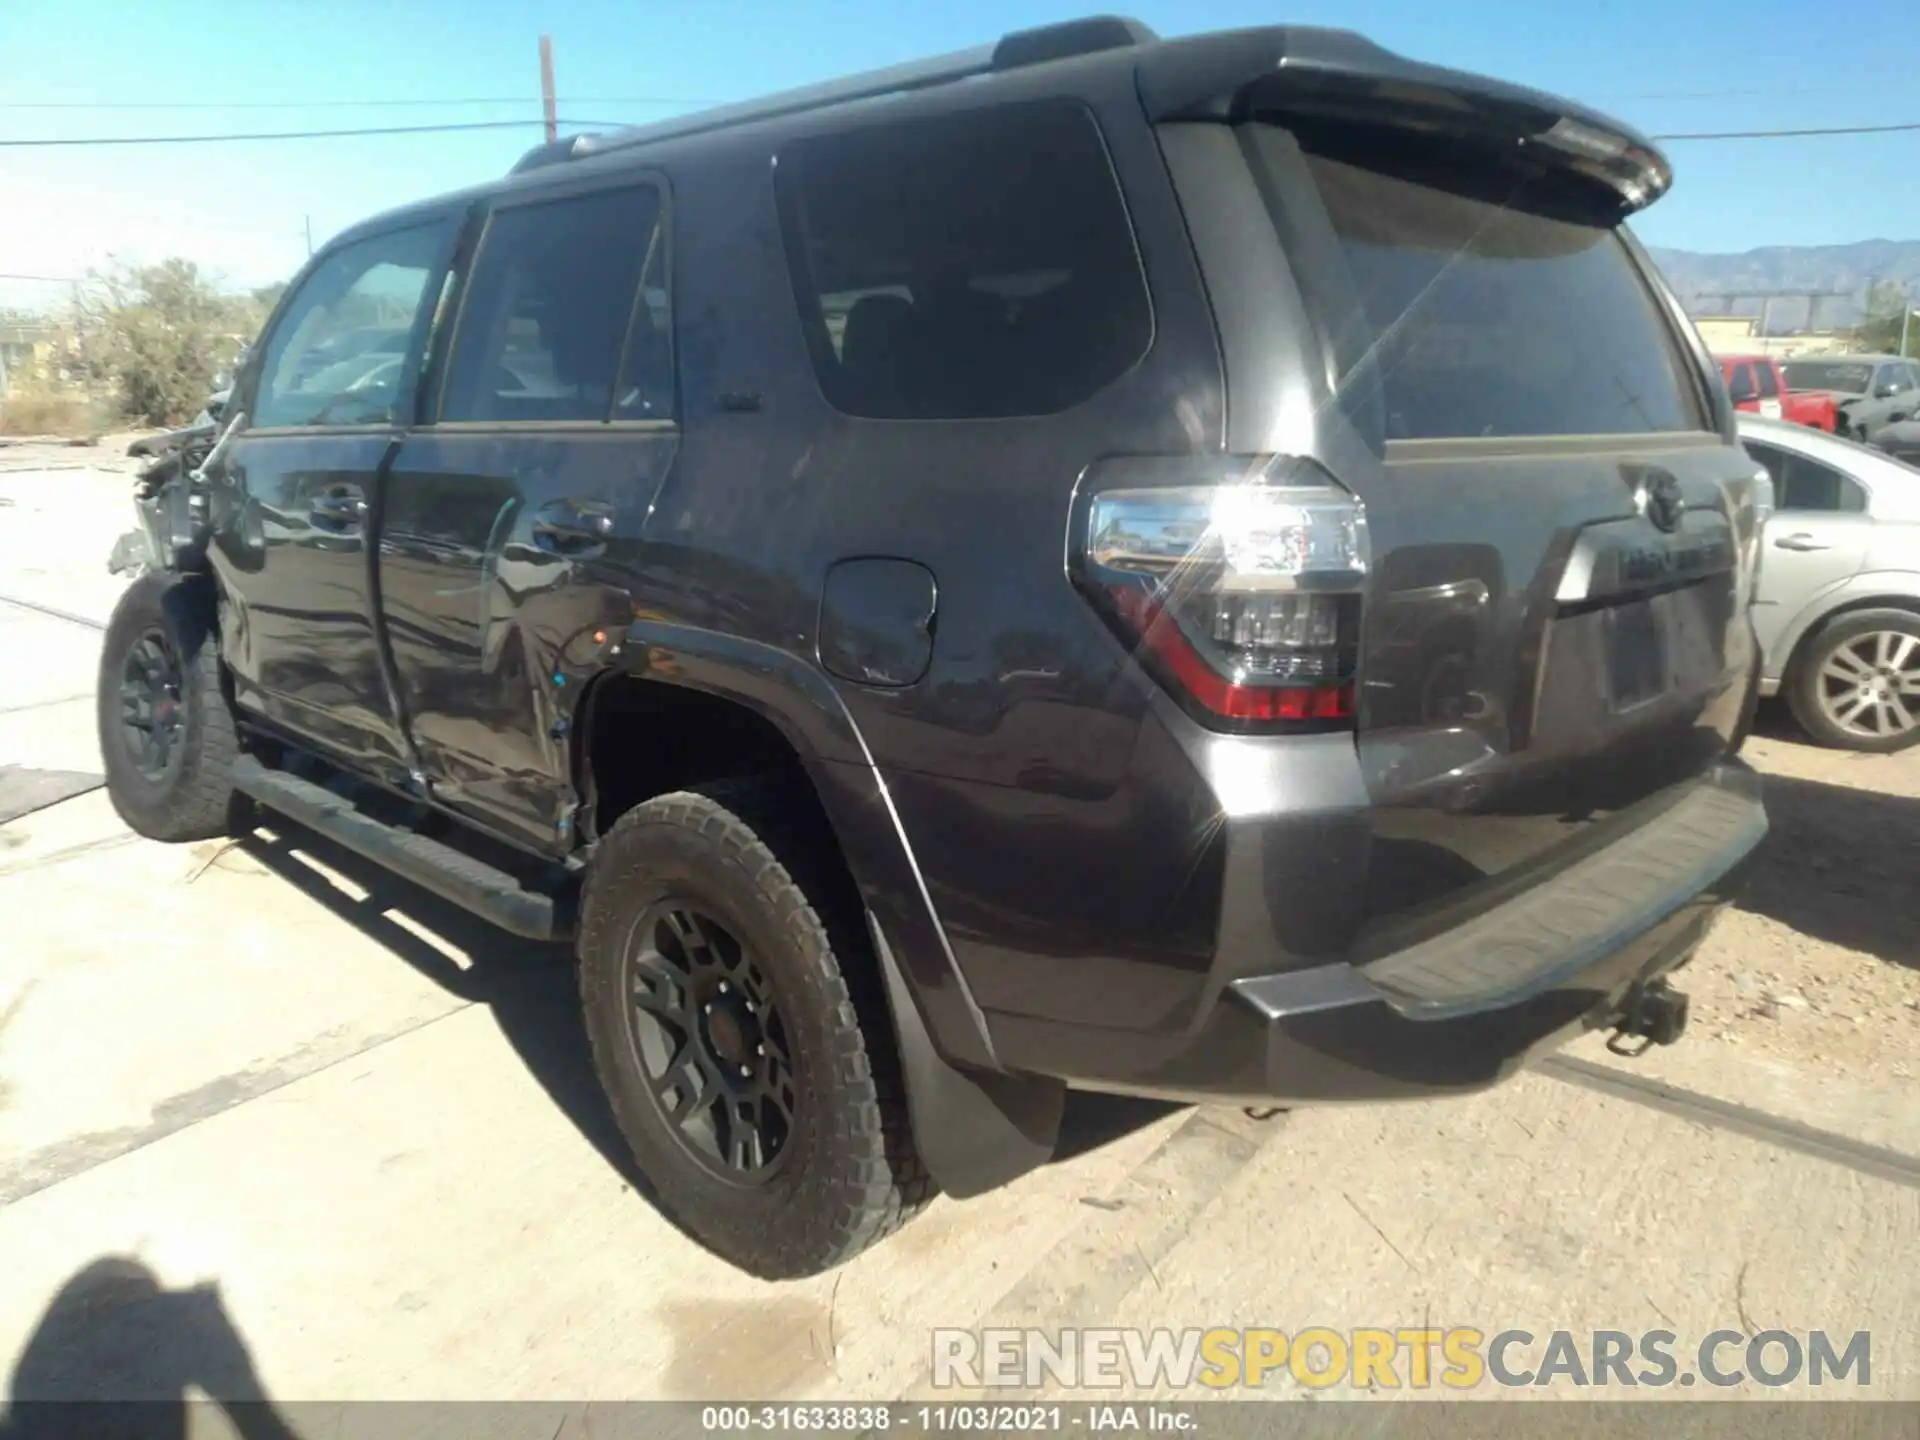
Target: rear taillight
x=1240, y=586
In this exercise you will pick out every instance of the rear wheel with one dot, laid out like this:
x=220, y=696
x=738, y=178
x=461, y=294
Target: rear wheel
x=167, y=736
x=1858, y=685
x=737, y=1029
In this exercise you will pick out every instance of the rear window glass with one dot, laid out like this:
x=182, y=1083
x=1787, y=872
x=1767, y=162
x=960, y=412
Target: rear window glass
x=1477, y=317
x=1848, y=377
x=551, y=320
x=966, y=267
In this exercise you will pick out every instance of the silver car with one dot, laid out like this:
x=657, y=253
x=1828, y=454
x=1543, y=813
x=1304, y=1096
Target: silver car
x=1838, y=609
x=1870, y=391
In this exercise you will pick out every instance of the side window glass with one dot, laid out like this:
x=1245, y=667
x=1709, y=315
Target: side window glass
x=340, y=349
x=1769, y=386
x=964, y=267
x=1811, y=486
x=1740, y=384
x=1894, y=378
x=646, y=389
x=1776, y=464
x=554, y=304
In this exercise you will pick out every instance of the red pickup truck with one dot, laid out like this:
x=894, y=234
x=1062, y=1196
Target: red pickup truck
x=1758, y=385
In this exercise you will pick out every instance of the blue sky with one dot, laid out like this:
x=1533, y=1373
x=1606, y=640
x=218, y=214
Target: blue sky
x=242, y=209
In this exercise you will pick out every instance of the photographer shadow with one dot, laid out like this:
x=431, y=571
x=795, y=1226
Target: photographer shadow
x=116, y=1353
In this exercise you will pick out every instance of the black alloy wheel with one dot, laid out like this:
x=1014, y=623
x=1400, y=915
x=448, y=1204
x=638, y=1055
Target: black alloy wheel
x=739, y=1026
x=709, y=1038
x=168, y=739
x=152, y=714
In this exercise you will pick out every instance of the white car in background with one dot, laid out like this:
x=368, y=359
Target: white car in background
x=1838, y=608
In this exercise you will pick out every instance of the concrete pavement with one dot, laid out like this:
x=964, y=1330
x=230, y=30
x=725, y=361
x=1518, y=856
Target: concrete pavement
x=368, y=1121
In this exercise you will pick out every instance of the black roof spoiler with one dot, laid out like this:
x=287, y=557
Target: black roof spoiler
x=1016, y=50
x=1336, y=75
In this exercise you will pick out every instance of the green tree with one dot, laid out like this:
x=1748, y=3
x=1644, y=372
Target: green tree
x=160, y=335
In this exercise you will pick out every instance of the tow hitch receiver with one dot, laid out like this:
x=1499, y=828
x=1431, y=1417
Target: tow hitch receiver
x=1656, y=1014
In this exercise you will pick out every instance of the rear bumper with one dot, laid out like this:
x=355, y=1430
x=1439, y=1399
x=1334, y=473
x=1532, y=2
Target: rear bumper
x=1461, y=1010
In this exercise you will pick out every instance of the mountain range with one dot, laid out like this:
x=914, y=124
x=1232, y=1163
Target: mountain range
x=1733, y=284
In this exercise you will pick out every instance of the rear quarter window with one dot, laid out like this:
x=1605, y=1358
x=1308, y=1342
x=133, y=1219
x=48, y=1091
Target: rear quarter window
x=1464, y=313
x=964, y=267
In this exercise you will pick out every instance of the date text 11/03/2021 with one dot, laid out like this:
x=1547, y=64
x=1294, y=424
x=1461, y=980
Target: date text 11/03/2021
x=955, y=1417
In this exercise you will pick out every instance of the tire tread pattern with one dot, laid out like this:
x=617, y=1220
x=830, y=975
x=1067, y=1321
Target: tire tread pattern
x=877, y=1184
x=198, y=802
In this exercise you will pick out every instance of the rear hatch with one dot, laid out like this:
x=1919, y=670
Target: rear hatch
x=1554, y=647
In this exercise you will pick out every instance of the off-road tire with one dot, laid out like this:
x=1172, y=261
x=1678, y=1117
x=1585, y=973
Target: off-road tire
x=753, y=855
x=194, y=799
x=1803, y=686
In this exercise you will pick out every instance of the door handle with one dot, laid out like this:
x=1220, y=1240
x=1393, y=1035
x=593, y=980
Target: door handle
x=339, y=507
x=573, y=527
x=1800, y=541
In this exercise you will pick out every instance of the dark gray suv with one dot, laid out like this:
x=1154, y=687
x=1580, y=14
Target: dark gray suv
x=1206, y=567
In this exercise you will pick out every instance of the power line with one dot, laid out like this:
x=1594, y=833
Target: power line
x=1788, y=134
x=1767, y=91
x=278, y=134
x=340, y=104
x=372, y=130
x=45, y=279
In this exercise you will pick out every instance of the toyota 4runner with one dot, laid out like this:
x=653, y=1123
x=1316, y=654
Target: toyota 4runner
x=1201, y=568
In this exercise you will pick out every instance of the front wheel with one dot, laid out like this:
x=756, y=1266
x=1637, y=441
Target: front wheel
x=167, y=737
x=738, y=1029
x=1858, y=685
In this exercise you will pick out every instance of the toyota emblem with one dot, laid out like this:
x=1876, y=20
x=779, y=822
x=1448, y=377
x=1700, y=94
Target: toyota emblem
x=1658, y=498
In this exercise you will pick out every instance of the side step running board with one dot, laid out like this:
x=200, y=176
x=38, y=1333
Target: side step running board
x=472, y=884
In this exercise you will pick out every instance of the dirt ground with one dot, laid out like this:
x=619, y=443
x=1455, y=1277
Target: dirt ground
x=1819, y=966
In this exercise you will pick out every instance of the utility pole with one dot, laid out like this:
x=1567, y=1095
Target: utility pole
x=546, y=88
x=1906, y=314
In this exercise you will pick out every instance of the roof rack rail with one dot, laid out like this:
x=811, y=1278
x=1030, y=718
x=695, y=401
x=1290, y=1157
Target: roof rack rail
x=554, y=152
x=1015, y=50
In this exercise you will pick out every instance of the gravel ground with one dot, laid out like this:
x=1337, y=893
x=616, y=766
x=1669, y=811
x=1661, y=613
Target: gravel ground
x=1819, y=966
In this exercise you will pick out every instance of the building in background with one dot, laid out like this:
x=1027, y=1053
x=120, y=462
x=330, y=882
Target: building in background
x=25, y=350
x=1740, y=335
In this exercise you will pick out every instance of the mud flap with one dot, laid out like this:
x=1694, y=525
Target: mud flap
x=975, y=1130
